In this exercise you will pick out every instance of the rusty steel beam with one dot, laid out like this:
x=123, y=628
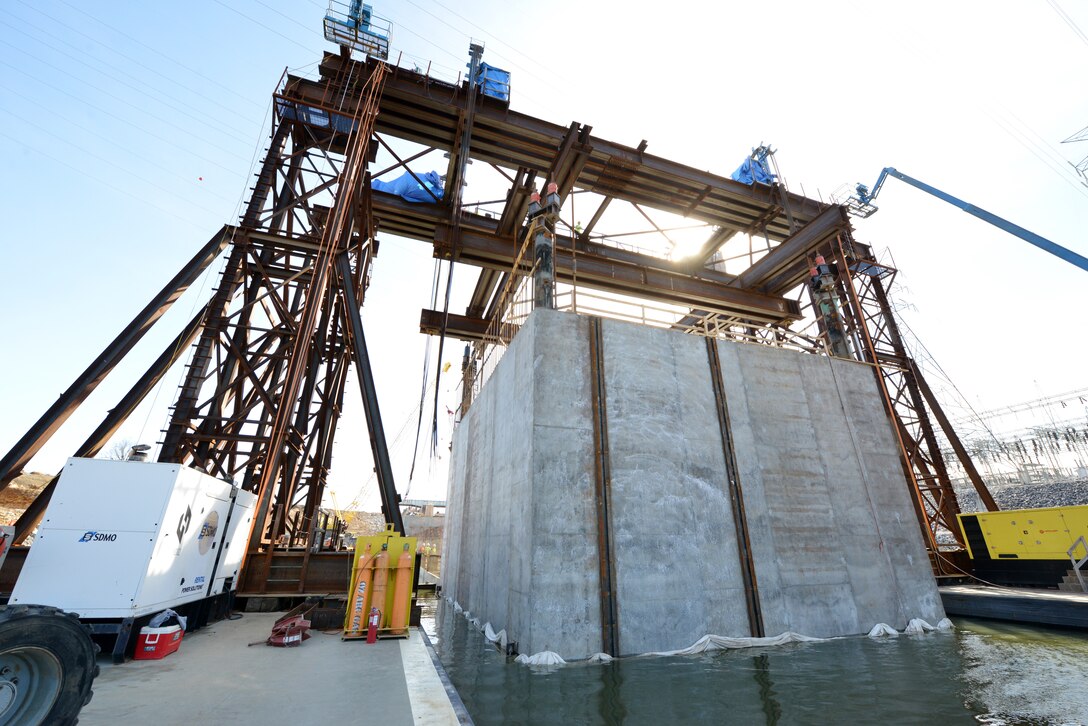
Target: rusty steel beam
x=651, y=280
x=513, y=213
x=361, y=358
x=517, y=201
x=596, y=217
x=712, y=244
x=33, y=440
x=602, y=489
x=463, y=327
x=599, y=266
x=483, y=292
x=422, y=110
x=572, y=156
x=954, y=440
x=326, y=574
x=426, y=225
x=786, y=265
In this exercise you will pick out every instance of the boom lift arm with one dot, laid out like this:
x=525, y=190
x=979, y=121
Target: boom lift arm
x=862, y=206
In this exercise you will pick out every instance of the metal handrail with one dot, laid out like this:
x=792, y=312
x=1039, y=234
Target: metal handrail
x=1077, y=564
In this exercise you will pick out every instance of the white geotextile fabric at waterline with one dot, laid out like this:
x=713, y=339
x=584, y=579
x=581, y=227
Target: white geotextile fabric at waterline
x=916, y=626
x=706, y=643
x=493, y=637
x=544, y=657
x=883, y=630
x=722, y=642
x=486, y=629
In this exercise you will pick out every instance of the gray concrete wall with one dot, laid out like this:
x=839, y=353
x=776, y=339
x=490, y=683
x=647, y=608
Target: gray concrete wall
x=520, y=547
x=835, y=542
x=490, y=497
x=677, y=568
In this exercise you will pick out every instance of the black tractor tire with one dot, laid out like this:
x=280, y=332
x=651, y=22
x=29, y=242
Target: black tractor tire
x=47, y=666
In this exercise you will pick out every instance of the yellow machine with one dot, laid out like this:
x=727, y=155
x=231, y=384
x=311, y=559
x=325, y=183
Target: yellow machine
x=383, y=573
x=1027, y=547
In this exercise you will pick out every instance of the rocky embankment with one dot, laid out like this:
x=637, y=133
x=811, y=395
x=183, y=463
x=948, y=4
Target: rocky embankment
x=1029, y=496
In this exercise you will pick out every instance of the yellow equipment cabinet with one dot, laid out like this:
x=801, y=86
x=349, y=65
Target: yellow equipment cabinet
x=382, y=574
x=1024, y=546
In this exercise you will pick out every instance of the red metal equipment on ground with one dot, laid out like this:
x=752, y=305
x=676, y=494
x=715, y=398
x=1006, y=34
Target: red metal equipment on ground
x=372, y=625
x=290, y=632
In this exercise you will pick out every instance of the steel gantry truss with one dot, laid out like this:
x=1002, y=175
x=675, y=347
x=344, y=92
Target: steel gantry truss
x=270, y=353
x=910, y=402
x=271, y=350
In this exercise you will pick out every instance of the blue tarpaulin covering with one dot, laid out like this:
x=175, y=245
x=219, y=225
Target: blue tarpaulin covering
x=494, y=82
x=751, y=172
x=406, y=187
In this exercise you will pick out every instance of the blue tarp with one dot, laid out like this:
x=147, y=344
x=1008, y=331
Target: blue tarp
x=406, y=187
x=494, y=82
x=751, y=172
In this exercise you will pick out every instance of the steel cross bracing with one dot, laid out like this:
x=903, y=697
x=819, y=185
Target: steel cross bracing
x=272, y=349
x=908, y=398
x=427, y=112
x=265, y=386
x=430, y=113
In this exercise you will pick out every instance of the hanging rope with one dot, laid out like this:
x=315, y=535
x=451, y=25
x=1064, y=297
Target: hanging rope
x=426, y=368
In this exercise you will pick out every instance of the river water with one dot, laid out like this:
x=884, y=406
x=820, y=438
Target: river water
x=983, y=672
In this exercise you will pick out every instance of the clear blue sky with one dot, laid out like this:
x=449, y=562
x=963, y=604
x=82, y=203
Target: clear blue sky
x=130, y=130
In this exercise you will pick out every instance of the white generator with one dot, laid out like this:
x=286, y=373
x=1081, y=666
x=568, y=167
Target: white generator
x=123, y=539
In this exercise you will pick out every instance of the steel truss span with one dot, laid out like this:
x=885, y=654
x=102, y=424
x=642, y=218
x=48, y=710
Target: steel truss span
x=273, y=351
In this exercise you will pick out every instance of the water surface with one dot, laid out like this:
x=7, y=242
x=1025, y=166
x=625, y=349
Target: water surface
x=983, y=672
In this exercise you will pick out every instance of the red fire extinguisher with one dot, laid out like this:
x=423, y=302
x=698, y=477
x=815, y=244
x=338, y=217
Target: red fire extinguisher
x=373, y=622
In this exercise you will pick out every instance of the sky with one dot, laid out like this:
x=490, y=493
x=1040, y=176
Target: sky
x=131, y=131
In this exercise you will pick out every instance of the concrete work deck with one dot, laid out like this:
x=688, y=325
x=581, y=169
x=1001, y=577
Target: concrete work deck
x=834, y=541
x=1017, y=604
x=215, y=677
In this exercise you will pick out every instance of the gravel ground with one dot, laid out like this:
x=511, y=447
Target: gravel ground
x=1029, y=496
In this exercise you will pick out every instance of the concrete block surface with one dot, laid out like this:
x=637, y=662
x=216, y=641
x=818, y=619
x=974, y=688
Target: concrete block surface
x=834, y=541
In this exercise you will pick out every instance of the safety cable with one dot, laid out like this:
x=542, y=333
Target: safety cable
x=951, y=564
x=426, y=369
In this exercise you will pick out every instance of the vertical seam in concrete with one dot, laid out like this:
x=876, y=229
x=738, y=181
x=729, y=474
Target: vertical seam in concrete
x=483, y=606
x=527, y=631
x=610, y=641
x=736, y=494
x=462, y=590
x=865, y=480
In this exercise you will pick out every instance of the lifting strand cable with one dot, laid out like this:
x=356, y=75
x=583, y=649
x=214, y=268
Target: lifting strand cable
x=426, y=368
x=458, y=184
x=438, y=373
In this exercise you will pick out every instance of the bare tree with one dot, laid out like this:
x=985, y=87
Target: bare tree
x=120, y=449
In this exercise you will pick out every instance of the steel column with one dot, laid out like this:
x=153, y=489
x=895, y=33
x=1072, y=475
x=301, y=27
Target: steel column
x=382, y=464
x=610, y=619
x=736, y=494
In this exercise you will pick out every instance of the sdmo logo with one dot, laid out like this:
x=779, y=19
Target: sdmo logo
x=93, y=536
